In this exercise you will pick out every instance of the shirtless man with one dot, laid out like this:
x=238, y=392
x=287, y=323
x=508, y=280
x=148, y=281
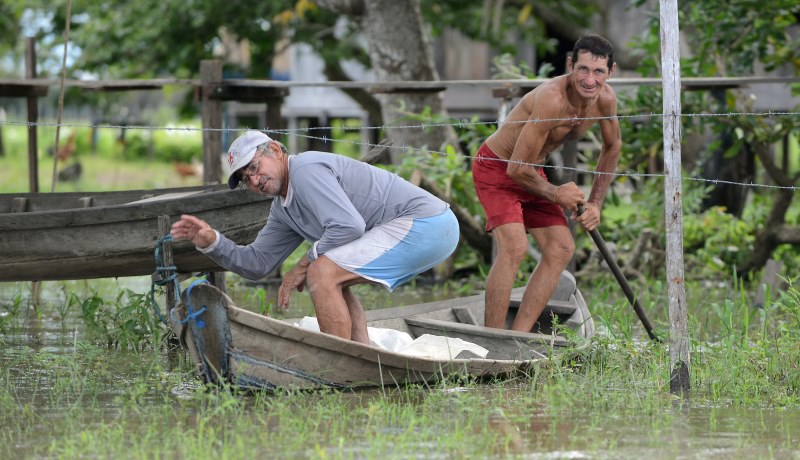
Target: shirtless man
x=518, y=198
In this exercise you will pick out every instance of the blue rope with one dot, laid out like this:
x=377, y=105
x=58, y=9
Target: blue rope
x=191, y=314
x=167, y=275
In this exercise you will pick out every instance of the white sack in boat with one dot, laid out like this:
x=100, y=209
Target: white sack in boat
x=387, y=339
x=424, y=346
x=439, y=347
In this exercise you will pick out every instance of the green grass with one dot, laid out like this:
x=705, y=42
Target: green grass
x=111, y=166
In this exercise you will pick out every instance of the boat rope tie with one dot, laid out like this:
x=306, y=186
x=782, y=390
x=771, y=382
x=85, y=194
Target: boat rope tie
x=163, y=275
x=191, y=314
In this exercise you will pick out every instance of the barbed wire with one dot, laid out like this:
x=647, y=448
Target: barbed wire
x=296, y=132
x=463, y=123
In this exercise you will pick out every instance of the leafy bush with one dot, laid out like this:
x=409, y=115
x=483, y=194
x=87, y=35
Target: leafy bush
x=714, y=241
x=126, y=323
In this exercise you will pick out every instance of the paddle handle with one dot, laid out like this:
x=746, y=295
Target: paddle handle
x=623, y=282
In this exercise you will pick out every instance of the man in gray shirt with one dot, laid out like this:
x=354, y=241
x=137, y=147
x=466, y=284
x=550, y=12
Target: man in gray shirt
x=366, y=226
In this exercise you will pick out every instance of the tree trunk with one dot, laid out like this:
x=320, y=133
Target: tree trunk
x=399, y=50
x=739, y=168
x=769, y=237
x=775, y=230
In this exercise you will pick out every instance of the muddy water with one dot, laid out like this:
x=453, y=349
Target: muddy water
x=689, y=432
x=46, y=368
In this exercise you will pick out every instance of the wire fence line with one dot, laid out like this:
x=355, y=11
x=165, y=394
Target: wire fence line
x=297, y=132
x=463, y=123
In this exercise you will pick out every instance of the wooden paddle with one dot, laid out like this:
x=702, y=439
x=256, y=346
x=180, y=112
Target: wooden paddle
x=601, y=246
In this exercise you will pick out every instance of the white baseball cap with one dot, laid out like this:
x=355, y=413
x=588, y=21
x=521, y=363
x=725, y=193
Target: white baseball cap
x=241, y=153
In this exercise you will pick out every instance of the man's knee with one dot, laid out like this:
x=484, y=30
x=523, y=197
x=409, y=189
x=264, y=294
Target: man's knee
x=560, y=250
x=321, y=273
x=324, y=272
x=511, y=246
x=514, y=250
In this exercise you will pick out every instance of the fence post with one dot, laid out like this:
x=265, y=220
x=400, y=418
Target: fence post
x=274, y=118
x=211, y=115
x=676, y=290
x=33, y=116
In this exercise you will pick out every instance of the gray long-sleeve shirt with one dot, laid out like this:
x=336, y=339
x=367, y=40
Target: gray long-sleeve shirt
x=331, y=201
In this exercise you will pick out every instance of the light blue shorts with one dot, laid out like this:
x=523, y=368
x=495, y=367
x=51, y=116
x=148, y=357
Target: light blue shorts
x=396, y=251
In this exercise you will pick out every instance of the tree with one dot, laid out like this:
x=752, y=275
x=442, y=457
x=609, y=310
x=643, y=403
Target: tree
x=399, y=50
x=9, y=31
x=744, y=35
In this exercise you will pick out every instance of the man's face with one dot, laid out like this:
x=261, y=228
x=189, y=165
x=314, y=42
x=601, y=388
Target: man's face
x=589, y=74
x=267, y=176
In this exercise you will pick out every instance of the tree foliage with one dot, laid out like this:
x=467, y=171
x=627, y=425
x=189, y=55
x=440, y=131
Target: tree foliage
x=727, y=38
x=503, y=24
x=9, y=26
x=149, y=38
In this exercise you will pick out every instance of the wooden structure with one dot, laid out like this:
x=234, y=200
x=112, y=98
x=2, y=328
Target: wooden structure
x=232, y=345
x=81, y=235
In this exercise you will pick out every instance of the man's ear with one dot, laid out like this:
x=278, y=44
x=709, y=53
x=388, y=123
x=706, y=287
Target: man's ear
x=569, y=62
x=613, y=68
x=274, y=149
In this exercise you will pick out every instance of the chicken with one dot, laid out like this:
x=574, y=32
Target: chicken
x=71, y=173
x=188, y=169
x=67, y=149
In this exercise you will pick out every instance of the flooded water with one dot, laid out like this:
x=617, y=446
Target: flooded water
x=689, y=432
x=54, y=380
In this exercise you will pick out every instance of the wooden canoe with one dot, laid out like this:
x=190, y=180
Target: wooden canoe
x=82, y=235
x=232, y=345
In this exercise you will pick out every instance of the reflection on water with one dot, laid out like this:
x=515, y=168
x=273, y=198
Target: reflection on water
x=46, y=369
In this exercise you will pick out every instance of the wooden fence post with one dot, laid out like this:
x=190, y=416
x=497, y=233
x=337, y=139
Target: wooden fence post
x=33, y=116
x=676, y=290
x=274, y=118
x=33, y=158
x=211, y=115
x=2, y=146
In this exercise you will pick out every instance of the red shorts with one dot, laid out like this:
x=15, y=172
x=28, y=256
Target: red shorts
x=504, y=201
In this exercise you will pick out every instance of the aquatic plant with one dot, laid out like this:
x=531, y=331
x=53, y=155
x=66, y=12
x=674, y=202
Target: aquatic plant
x=127, y=322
